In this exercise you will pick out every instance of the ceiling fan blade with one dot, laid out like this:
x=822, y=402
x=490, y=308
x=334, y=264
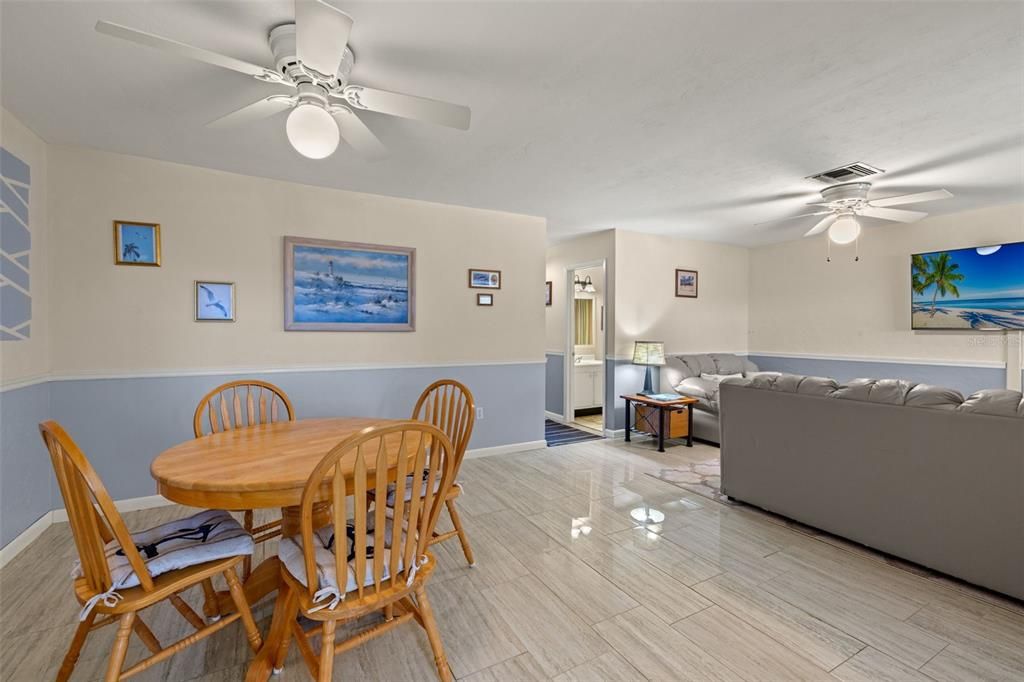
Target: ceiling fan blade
x=912, y=198
x=321, y=34
x=408, y=106
x=183, y=50
x=254, y=112
x=792, y=217
x=357, y=135
x=896, y=214
x=822, y=225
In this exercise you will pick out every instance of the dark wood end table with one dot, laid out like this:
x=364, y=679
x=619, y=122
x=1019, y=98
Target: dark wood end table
x=662, y=407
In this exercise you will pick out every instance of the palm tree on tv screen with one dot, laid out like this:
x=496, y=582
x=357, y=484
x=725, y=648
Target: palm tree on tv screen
x=919, y=273
x=942, y=272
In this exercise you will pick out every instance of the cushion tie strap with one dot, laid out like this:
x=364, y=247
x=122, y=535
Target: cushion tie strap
x=110, y=598
x=420, y=561
x=326, y=598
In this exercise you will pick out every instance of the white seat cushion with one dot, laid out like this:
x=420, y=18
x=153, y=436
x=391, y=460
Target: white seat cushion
x=290, y=553
x=410, y=485
x=207, y=536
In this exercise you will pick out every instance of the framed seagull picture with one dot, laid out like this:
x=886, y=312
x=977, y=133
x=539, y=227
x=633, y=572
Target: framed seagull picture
x=215, y=301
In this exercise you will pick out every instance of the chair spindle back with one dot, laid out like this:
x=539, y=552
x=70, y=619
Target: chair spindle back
x=92, y=515
x=397, y=451
x=237, y=404
x=448, y=405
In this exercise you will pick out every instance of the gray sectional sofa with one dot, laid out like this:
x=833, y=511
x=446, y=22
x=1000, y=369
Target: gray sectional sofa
x=915, y=471
x=682, y=373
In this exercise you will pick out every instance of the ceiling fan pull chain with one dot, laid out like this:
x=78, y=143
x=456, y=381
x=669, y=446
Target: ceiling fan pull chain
x=828, y=250
x=856, y=250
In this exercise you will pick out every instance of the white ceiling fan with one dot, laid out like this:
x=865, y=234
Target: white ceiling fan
x=312, y=57
x=844, y=203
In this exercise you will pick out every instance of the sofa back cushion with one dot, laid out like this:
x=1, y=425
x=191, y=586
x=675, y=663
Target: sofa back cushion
x=995, y=401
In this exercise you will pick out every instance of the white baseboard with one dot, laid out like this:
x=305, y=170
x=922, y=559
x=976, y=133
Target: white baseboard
x=127, y=505
x=506, y=449
x=555, y=417
x=25, y=538
x=615, y=433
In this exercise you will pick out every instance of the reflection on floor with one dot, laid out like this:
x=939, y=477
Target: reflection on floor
x=591, y=568
x=591, y=421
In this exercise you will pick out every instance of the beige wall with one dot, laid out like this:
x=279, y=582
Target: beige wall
x=591, y=247
x=222, y=226
x=646, y=306
x=801, y=304
x=28, y=359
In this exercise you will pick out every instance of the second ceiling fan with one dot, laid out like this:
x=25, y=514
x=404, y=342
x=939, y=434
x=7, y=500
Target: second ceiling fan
x=312, y=57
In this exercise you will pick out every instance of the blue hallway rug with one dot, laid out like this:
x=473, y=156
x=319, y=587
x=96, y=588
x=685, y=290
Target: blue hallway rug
x=561, y=434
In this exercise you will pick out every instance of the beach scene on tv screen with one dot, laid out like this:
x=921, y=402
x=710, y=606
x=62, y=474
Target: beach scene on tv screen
x=976, y=288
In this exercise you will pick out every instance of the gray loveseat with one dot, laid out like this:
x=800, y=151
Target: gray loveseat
x=682, y=373
x=915, y=471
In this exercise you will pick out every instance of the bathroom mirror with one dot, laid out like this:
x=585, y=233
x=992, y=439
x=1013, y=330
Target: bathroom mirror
x=584, y=322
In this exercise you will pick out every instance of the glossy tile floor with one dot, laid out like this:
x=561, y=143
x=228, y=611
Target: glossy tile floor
x=572, y=584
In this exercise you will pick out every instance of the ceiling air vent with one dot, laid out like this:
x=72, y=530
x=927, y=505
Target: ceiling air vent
x=846, y=173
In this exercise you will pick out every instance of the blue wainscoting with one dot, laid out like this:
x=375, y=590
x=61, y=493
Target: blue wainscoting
x=554, y=383
x=122, y=424
x=965, y=379
x=26, y=479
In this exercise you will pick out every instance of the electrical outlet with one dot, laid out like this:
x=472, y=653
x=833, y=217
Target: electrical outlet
x=479, y=413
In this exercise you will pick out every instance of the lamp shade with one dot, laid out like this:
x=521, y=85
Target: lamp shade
x=648, y=353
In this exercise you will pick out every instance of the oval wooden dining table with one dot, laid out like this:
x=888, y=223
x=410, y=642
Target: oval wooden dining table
x=255, y=467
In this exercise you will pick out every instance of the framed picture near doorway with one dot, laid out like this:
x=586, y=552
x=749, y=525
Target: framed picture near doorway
x=686, y=283
x=547, y=293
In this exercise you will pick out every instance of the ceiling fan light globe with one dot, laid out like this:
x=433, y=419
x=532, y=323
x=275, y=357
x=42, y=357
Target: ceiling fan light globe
x=844, y=230
x=312, y=131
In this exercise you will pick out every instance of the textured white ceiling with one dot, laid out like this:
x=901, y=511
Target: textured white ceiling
x=686, y=118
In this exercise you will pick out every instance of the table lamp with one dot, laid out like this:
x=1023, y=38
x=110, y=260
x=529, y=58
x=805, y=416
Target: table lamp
x=648, y=353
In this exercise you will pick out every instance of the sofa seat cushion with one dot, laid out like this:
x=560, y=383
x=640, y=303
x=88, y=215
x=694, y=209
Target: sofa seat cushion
x=207, y=536
x=999, y=402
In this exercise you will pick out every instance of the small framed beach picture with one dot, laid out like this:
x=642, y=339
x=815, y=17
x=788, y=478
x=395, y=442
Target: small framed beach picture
x=136, y=243
x=345, y=286
x=215, y=301
x=547, y=293
x=485, y=279
x=485, y=299
x=686, y=283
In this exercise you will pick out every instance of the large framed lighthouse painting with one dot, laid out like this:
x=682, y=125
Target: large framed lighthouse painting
x=345, y=286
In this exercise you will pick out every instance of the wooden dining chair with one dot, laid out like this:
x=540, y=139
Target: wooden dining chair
x=381, y=562
x=448, y=405
x=114, y=583
x=235, y=405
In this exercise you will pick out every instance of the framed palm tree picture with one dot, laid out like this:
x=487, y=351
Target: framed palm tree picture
x=136, y=243
x=215, y=301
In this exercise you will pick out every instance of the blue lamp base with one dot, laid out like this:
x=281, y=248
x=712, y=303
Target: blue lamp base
x=648, y=383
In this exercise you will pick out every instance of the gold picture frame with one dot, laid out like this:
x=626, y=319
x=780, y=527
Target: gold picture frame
x=144, y=247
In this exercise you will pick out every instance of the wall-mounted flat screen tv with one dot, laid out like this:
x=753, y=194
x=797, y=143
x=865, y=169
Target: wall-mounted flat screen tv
x=976, y=288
